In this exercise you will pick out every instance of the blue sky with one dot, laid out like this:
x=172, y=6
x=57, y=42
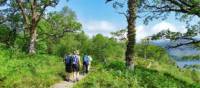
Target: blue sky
x=98, y=17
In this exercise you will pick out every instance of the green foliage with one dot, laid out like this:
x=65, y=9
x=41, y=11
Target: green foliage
x=192, y=31
x=113, y=75
x=23, y=71
x=103, y=48
x=115, y=65
x=66, y=44
x=153, y=53
x=157, y=71
x=120, y=35
x=169, y=35
x=191, y=57
x=181, y=74
x=59, y=33
x=194, y=66
x=43, y=70
x=160, y=9
x=5, y=34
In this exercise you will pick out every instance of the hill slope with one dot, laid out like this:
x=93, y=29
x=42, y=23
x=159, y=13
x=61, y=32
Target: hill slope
x=114, y=75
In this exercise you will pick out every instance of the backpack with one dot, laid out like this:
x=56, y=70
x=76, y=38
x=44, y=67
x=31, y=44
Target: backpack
x=75, y=59
x=68, y=60
x=86, y=59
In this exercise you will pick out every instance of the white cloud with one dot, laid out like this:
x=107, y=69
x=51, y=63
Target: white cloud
x=144, y=31
x=102, y=27
x=165, y=26
x=105, y=27
x=141, y=32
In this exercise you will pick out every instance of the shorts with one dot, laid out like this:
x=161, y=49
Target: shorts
x=68, y=68
x=75, y=67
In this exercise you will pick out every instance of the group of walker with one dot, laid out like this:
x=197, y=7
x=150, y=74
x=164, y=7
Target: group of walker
x=73, y=64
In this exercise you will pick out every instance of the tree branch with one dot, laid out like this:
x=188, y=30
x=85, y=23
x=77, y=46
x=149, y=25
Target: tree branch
x=188, y=43
x=192, y=41
x=181, y=6
x=183, y=2
x=19, y=3
x=123, y=13
x=41, y=13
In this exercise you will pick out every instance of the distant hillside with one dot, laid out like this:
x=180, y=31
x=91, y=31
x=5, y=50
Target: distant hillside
x=179, y=53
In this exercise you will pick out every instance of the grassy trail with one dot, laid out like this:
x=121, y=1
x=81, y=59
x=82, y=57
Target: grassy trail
x=66, y=84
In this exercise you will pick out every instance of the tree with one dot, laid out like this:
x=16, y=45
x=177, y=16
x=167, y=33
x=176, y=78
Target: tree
x=132, y=8
x=32, y=12
x=185, y=10
x=154, y=9
x=167, y=34
x=120, y=35
x=57, y=25
x=10, y=21
x=145, y=44
x=33, y=16
x=131, y=18
x=175, y=36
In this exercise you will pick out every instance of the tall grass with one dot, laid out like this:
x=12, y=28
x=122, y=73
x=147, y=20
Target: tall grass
x=24, y=71
x=158, y=75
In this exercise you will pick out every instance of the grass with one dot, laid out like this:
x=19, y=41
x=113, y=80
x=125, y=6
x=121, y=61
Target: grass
x=158, y=75
x=24, y=71
x=169, y=68
x=18, y=70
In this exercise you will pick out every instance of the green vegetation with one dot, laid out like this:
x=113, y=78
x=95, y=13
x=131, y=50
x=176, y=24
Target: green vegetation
x=191, y=57
x=33, y=43
x=194, y=66
x=42, y=70
x=24, y=71
x=157, y=71
x=158, y=75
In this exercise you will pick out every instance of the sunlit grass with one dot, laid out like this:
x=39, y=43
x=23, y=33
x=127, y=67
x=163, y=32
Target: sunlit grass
x=24, y=71
x=157, y=75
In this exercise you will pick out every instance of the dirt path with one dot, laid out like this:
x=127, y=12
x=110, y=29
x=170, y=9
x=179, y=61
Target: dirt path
x=65, y=84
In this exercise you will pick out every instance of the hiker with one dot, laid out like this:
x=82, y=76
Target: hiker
x=86, y=63
x=68, y=66
x=76, y=65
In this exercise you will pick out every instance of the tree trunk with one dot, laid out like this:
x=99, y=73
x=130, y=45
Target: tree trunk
x=33, y=34
x=33, y=37
x=132, y=6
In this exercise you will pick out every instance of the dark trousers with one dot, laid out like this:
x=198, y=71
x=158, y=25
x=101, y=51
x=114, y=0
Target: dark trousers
x=85, y=67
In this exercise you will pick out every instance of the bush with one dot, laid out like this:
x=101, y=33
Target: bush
x=153, y=53
x=116, y=65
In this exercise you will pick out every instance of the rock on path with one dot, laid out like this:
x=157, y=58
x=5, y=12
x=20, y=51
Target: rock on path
x=66, y=84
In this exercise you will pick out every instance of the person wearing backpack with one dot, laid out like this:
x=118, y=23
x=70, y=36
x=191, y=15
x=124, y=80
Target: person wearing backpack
x=76, y=65
x=68, y=66
x=86, y=63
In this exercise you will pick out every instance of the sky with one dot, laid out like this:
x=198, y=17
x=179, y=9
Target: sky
x=98, y=17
